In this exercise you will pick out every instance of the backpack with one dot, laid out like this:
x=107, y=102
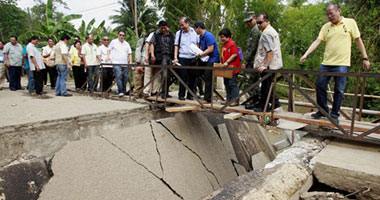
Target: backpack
x=240, y=54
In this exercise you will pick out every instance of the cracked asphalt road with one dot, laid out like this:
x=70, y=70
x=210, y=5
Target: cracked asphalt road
x=169, y=159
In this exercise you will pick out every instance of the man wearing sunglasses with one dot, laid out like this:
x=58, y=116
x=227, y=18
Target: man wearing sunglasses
x=251, y=48
x=268, y=56
x=120, y=52
x=338, y=35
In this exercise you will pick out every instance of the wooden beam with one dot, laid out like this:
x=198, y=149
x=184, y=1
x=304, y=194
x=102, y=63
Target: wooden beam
x=233, y=116
x=182, y=109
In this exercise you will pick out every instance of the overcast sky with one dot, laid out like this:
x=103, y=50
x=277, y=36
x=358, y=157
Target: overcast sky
x=98, y=9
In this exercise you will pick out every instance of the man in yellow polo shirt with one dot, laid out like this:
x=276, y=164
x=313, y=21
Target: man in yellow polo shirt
x=338, y=35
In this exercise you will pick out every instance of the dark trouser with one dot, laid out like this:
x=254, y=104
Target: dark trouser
x=188, y=76
x=93, y=74
x=249, y=79
x=107, y=78
x=44, y=76
x=207, y=77
x=52, y=71
x=265, y=87
x=166, y=60
x=340, y=84
x=232, y=87
x=15, y=77
x=79, y=77
x=39, y=80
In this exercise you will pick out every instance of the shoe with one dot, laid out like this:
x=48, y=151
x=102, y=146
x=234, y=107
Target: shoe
x=317, y=115
x=57, y=95
x=43, y=92
x=260, y=109
x=250, y=106
x=336, y=120
x=233, y=104
x=121, y=94
x=190, y=98
x=181, y=98
x=154, y=94
x=12, y=89
x=20, y=88
x=67, y=95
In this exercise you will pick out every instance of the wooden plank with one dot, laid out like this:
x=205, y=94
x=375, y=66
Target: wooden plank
x=233, y=116
x=296, y=117
x=182, y=109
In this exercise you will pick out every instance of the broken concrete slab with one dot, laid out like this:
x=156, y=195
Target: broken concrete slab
x=259, y=161
x=349, y=167
x=226, y=140
x=140, y=143
x=194, y=131
x=97, y=169
x=240, y=169
x=282, y=182
x=322, y=196
x=183, y=168
x=300, y=152
x=24, y=181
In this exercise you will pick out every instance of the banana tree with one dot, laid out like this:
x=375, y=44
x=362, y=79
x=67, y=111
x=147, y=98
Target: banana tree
x=88, y=29
x=51, y=28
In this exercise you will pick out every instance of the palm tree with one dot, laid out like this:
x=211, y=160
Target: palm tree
x=146, y=17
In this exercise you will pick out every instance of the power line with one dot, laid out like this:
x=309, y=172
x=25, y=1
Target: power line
x=90, y=9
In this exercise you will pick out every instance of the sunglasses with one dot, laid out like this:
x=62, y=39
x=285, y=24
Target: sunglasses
x=121, y=35
x=259, y=22
x=106, y=39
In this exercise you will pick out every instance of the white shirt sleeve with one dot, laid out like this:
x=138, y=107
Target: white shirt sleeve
x=149, y=38
x=129, y=50
x=99, y=51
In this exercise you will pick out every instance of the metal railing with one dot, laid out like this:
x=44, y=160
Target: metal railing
x=281, y=74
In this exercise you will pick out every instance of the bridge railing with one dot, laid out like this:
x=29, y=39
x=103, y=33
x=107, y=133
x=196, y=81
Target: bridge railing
x=281, y=74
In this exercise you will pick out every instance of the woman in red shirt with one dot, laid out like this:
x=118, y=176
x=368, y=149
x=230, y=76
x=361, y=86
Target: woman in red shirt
x=230, y=56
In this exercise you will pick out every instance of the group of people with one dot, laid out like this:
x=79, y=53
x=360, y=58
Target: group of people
x=163, y=47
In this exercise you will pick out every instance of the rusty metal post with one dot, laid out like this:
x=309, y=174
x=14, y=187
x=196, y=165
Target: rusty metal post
x=355, y=105
x=362, y=98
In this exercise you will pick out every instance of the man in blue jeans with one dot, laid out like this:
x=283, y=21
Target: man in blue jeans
x=120, y=52
x=63, y=66
x=338, y=35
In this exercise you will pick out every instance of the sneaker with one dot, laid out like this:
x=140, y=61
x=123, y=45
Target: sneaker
x=317, y=115
x=67, y=95
x=121, y=94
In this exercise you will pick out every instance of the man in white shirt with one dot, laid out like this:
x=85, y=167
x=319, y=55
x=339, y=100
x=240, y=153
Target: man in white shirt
x=91, y=63
x=107, y=71
x=63, y=66
x=184, y=56
x=36, y=64
x=120, y=52
x=48, y=52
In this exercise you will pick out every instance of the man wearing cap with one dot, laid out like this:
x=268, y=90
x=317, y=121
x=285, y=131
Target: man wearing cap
x=252, y=43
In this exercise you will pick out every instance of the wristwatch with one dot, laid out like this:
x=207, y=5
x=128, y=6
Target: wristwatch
x=366, y=58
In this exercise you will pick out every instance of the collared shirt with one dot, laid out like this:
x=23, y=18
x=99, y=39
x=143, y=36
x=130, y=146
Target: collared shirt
x=186, y=40
x=338, y=40
x=60, y=49
x=102, y=51
x=46, y=50
x=228, y=49
x=208, y=40
x=14, y=53
x=89, y=51
x=269, y=41
x=26, y=60
x=120, y=51
x=33, y=52
x=2, y=58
